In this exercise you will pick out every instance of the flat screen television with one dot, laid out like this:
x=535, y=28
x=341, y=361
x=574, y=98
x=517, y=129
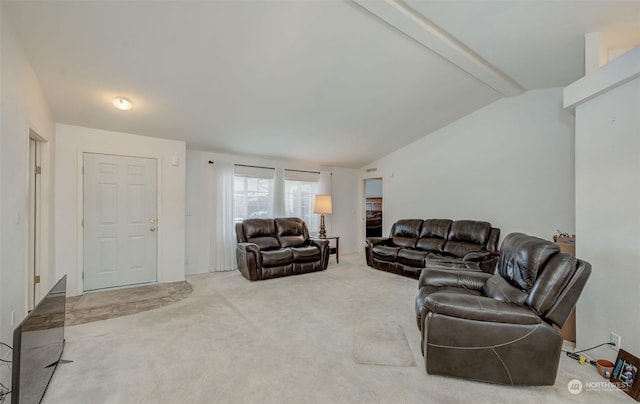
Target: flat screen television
x=37, y=346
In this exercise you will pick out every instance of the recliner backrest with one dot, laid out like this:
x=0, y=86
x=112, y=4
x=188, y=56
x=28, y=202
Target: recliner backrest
x=558, y=287
x=522, y=257
x=405, y=232
x=291, y=231
x=433, y=234
x=467, y=236
x=492, y=241
x=261, y=232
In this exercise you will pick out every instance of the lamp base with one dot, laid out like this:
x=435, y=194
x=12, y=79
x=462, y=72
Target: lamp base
x=323, y=230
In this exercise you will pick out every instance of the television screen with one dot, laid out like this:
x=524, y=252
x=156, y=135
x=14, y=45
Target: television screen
x=37, y=346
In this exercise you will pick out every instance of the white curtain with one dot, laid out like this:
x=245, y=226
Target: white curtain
x=278, y=193
x=222, y=251
x=325, y=182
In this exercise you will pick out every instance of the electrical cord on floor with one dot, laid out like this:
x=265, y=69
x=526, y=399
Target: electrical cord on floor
x=4, y=360
x=3, y=394
x=583, y=359
x=4, y=391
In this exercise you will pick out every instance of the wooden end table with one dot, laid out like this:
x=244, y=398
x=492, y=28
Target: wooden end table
x=332, y=250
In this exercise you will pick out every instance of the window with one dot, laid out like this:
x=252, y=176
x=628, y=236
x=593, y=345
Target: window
x=298, y=202
x=261, y=193
x=300, y=189
x=252, y=193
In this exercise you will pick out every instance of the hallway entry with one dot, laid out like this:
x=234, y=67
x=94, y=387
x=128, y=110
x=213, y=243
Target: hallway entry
x=373, y=206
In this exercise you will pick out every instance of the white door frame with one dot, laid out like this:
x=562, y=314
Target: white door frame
x=38, y=232
x=80, y=204
x=35, y=212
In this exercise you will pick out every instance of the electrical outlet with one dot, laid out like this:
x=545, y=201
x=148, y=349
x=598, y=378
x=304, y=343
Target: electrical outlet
x=615, y=340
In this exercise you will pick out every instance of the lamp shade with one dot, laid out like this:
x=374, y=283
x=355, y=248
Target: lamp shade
x=322, y=204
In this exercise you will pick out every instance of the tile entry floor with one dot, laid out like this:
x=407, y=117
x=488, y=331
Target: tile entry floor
x=107, y=304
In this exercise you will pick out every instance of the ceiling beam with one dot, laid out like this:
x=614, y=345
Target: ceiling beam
x=417, y=27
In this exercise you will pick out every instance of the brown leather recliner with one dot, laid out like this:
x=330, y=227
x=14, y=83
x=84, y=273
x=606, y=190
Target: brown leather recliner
x=498, y=328
x=271, y=248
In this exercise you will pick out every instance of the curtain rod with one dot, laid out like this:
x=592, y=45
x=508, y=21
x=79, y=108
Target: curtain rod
x=271, y=168
x=245, y=165
x=302, y=171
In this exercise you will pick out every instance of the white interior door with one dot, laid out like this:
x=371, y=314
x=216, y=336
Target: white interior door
x=120, y=220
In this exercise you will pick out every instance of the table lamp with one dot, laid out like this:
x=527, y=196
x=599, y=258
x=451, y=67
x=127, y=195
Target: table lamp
x=322, y=205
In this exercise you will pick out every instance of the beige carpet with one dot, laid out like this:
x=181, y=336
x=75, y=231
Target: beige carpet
x=381, y=344
x=287, y=340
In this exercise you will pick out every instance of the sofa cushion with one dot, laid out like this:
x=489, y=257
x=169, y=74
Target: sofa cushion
x=470, y=231
x=413, y=258
x=433, y=235
x=386, y=253
x=405, y=232
x=276, y=258
x=291, y=232
x=522, y=257
x=435, y=228
x=261, y=232
x=305, y=254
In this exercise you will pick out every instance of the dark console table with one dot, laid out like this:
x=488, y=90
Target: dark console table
x=333, y=249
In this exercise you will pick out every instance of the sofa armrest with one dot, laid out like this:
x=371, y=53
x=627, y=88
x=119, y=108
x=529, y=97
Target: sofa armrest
x=318, y=242
x=249, y=260
x=480, y=308
x=374, y=241
x=474, y=280
x=486, y=260
x=480, y=255
x=323, y=246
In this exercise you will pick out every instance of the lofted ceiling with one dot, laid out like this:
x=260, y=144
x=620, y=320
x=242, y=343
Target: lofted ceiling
x=339, y=83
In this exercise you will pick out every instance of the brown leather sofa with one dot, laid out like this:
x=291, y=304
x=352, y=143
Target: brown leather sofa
x=271, y=248
x=498, y=328
x=412, y=241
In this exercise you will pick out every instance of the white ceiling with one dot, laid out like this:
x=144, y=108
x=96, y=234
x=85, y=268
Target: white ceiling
x=331, y=82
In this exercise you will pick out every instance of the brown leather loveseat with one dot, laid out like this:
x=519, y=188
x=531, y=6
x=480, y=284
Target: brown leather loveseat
x=412, y=241
x=271, y=248
x=498, y=328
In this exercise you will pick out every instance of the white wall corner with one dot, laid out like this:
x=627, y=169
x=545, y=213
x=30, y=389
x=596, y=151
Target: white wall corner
x=592, y=52
x=614, y=74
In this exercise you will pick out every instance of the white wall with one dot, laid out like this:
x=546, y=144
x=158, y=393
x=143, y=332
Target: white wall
x=373, y=188
x=72, y=141
x=510, y=163
x=23, y=107
x=608, y=216
x=343, y=222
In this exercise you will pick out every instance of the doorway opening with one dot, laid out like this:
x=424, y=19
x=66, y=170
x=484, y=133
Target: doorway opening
x=373, y=207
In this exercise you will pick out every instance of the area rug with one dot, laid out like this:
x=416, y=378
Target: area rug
x=381, y=344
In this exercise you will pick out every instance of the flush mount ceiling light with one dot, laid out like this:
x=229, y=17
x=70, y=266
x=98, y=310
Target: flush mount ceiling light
x=122, y=103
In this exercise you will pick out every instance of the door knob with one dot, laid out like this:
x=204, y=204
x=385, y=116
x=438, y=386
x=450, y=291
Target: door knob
x=152, y=228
